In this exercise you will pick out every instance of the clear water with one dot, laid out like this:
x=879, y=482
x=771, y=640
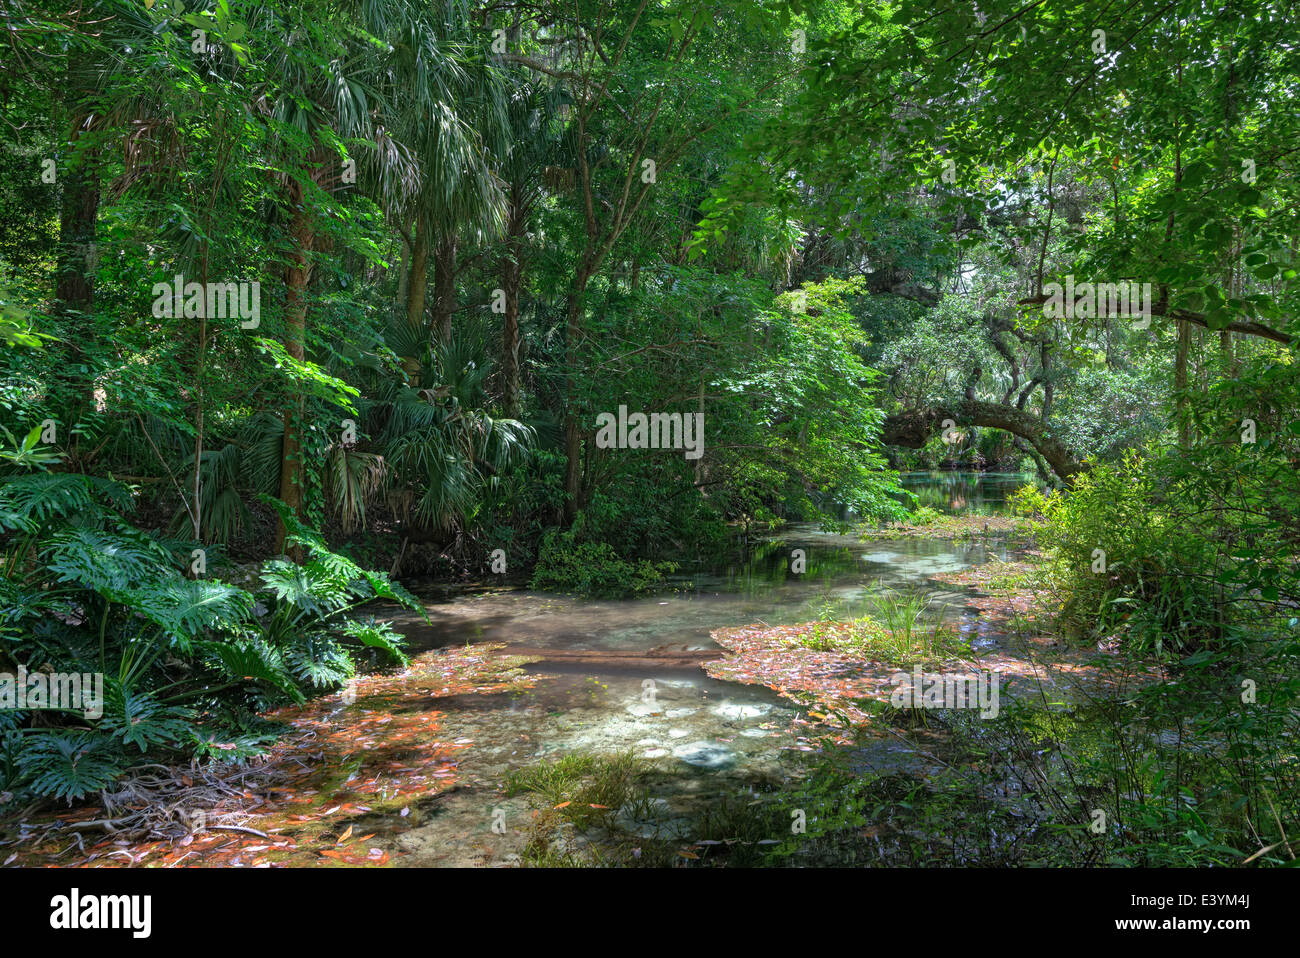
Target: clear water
x=710, y=735
x=965, y=493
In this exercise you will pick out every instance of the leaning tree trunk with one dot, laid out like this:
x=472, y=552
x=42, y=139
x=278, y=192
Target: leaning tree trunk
x=913, y=428
x=297, y=278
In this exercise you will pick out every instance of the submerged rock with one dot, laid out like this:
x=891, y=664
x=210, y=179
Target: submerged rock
x=705, y=754
x=654, y=819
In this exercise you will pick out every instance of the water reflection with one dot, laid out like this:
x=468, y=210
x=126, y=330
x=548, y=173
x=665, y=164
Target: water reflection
x=966, y=493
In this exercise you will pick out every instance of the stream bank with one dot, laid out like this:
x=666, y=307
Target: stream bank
x=542, y=729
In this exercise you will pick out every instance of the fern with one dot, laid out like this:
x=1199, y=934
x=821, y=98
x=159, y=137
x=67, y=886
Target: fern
x=377, y=635
x=253, y=660
x=69, y=764
x=137, y=718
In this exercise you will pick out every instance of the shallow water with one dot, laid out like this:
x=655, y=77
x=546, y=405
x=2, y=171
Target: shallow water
x=965, y=493
x=627, y=675
x=841, y=570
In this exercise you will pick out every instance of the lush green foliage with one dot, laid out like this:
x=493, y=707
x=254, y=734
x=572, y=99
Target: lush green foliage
x=828, y=229
x=185, y=661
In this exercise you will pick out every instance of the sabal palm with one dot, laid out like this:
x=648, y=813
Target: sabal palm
x=327, y=93
x=536, y=141
x=453, y=119
x=438, y=438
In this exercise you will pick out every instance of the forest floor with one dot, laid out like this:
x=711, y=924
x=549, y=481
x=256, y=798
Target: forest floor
x=829, y=667
x=307, y=801
x=361, y=776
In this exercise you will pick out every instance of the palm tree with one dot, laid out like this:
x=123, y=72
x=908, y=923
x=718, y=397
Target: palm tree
x=326, y=95
x=439, y=442
x=453, y=120
x=534, y=144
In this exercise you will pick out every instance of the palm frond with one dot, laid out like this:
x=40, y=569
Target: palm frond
x=352, y=478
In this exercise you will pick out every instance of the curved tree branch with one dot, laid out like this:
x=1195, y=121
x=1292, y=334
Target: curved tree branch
x=912, y=428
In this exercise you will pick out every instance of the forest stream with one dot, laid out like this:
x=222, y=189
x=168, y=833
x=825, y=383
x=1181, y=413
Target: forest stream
x=413, y=769
x=627, y=675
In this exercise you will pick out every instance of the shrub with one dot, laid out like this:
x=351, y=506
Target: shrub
x=85, y=592
x=594, y=568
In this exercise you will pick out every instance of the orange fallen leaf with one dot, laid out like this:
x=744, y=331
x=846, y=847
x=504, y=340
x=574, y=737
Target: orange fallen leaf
x=564, y=804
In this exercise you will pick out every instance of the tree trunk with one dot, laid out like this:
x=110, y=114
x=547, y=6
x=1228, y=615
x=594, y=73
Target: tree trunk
x=572, y=433
x=512, y=272
x=510, y=338
x=75, y=282
x=1180, y=380
x=417, y=284
x=403, y=277
x=444, y=286
x=297, y=278
x=913, y=428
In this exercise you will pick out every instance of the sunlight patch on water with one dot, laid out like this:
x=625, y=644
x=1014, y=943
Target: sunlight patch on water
x=731, y=710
